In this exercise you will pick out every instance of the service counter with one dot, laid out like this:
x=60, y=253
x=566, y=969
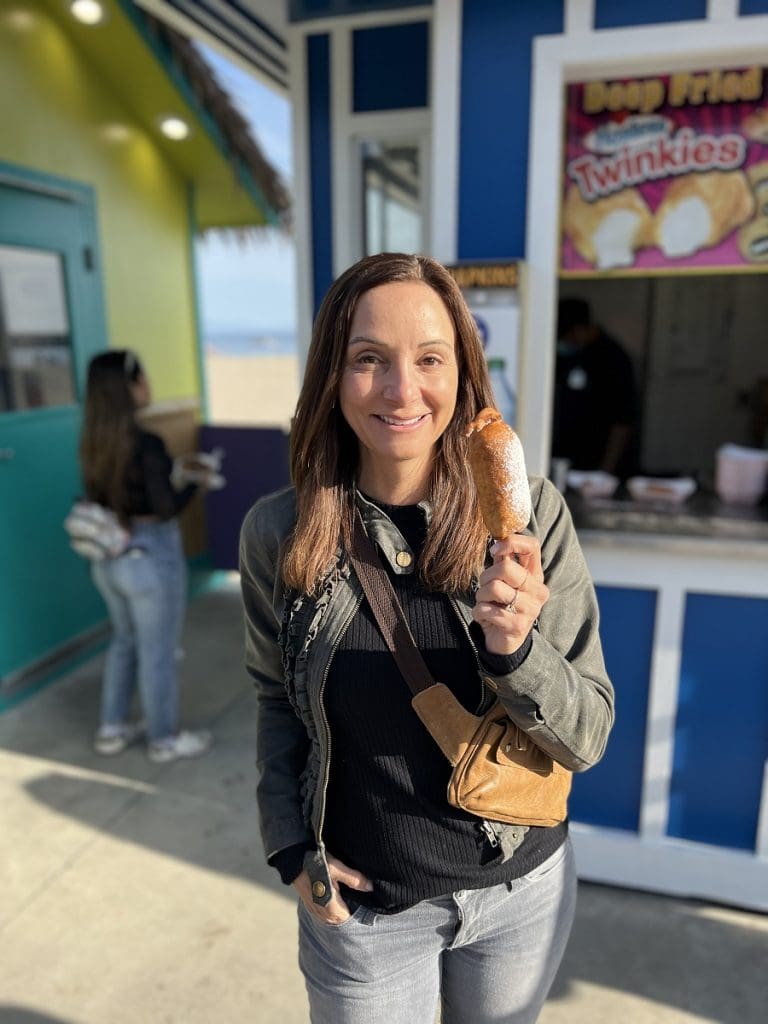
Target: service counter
x=701, y=516
x=680, y=801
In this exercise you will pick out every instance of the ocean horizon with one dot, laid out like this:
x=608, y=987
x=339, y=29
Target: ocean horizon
x=251, y=343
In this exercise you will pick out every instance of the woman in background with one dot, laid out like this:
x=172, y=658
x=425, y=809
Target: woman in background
x=128, y=470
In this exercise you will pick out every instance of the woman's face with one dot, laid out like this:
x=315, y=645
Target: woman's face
x=400, y=379
x=140, y=391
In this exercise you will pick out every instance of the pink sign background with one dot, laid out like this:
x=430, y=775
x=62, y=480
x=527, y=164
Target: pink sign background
x=711, y=119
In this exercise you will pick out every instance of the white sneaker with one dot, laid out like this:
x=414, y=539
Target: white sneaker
x=114, y=739
x=184, y=744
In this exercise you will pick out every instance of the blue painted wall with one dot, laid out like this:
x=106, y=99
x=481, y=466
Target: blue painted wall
x=375, y=51
x=319, y=107
x=610, y=14
x=495, y=100
x=721, y=732
x=610, y=794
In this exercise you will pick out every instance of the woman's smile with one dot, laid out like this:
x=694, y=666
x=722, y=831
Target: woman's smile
x=402, y=423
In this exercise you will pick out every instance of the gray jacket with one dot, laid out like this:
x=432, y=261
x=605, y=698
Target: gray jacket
x=560, y=694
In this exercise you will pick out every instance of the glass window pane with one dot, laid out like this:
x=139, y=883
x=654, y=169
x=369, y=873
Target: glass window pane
x=35, y=340
x=392, y=188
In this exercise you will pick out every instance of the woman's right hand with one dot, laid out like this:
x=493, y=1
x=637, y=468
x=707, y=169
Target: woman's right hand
x=335, y=910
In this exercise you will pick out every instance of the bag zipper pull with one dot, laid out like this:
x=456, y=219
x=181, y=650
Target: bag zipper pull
x=490, y=833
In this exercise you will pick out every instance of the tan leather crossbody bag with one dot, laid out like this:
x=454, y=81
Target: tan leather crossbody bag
x=498, y=773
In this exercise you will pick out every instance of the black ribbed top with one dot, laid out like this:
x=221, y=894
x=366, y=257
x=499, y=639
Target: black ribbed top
x=387, y=813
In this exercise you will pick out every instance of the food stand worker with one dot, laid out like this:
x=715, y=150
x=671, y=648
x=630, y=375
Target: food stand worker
x=595, y=402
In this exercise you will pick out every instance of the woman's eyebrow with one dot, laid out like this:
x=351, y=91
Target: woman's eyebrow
x=361, y=339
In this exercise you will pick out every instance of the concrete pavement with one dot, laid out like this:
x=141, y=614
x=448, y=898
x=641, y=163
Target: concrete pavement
x=133, y=893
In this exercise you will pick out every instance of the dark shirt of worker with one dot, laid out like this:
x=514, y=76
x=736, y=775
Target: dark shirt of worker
x=595, y=401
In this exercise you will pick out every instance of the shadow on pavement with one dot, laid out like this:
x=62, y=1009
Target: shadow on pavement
x=707, y=961
x=201, y=811
x=19, y=1015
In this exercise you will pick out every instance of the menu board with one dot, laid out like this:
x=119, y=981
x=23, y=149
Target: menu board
x=666, y=173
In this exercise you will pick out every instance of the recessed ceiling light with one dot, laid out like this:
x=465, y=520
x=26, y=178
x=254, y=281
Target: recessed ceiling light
x=89, y=12
x=20, y=19
x=116, y=132
x=174, y=128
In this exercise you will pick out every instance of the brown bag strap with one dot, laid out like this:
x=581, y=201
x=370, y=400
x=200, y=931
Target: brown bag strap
x=386, y=609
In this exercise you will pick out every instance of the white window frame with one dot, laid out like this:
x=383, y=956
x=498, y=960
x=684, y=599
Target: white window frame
x=349, y=129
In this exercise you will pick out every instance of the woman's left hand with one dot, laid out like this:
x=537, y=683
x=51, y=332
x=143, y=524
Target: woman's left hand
x=511, y=593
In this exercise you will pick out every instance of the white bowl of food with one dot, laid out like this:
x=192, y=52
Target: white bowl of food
x=592, y=483
x=665, y=491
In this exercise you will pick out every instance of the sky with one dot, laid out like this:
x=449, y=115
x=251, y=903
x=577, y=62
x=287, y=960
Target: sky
x=250, y=287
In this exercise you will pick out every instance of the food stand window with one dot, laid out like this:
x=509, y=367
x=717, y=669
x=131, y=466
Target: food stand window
x=664, y=232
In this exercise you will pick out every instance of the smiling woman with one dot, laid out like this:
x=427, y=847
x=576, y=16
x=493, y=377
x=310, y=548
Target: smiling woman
x=352, y=788
x=398, y=387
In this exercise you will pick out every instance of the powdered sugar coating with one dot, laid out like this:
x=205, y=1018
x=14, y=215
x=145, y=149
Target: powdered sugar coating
x=498, y=467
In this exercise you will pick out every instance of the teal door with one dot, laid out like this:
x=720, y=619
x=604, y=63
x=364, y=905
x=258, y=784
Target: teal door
x=51, y=322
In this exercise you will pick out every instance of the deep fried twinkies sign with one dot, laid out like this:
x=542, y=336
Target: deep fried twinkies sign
x=667, y=173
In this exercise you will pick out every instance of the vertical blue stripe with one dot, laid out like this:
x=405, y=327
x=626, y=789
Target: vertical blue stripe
x=613, y=14
x=496, y=67
x=753, y=7
x=319, y=107
x=609, y=794
x=721, y=731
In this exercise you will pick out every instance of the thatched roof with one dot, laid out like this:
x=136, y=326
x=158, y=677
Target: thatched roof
x=241, y=148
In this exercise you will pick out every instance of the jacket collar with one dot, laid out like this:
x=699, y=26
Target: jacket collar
x=390, y=541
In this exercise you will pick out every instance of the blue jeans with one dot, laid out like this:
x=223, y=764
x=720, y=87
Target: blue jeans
x=145, y=593
x=483, y=955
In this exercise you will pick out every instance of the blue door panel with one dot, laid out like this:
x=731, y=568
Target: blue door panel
x=609, y=794
x=721, y=730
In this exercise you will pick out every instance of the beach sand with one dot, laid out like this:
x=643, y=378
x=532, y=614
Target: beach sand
x=251, y=390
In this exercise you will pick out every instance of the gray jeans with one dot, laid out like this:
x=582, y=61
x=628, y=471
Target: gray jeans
x=482, y=955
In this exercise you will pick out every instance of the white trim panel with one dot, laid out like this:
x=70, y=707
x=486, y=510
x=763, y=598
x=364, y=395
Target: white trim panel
x=722, y=10
x=761, y=845
x=579, y=16
x=341, y=157
x=445, y=99
x=671, y=866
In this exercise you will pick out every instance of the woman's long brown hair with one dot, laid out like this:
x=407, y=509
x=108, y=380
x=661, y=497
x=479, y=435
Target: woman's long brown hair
x=324, y=450
x=108, y=438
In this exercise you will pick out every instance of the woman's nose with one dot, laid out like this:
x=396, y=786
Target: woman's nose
x=401, y=384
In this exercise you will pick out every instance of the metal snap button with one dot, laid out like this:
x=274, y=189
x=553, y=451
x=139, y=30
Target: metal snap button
x=403, y=559
x=318, y=889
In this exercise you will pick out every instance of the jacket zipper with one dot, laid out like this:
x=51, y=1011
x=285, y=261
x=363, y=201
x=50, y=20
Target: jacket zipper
x=465, y=627
x=326, y=723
